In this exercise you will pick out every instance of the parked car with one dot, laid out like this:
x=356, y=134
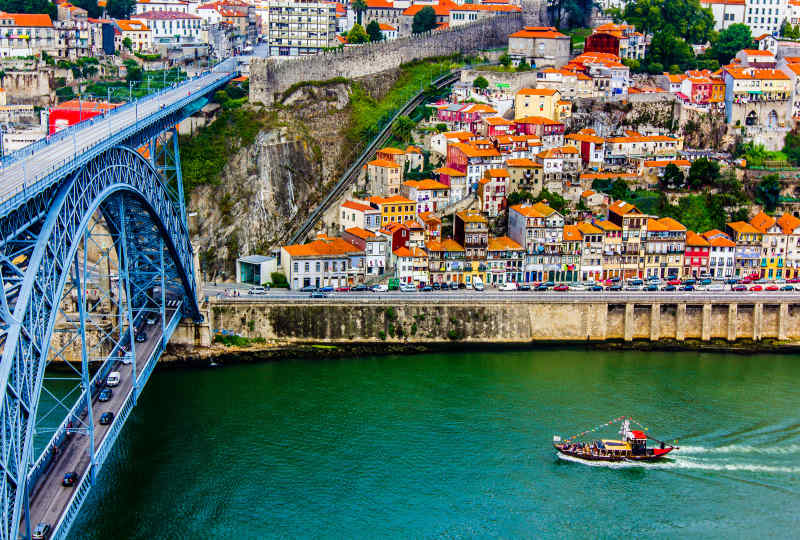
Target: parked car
x=436, y=286
x=716, y=287
x=105, y=394
x=541, y=287
x=41, y=532
x=632, y=287
x=596, y=288
x=669, y=288
x=689, y=282
x=319, y=294
x=308, y=288
x=756, y=288
x=257, y=290
x=380, y=288
x=652, y=287
x=561, y=287
x=106, y=418
x=614, y=288
x=731, y=281
x=739, y=288
x=523, y=287
x=577, y=287
x=70, y=479
x=455, y=286
x=360, y=288
x=674, y=282
x=406, y=287
x=772, y=288
x=549, y=284
x=150, y=320
x=326, y=289
x=113, y=379
x=787, y=288
x=477, y=285
x=686, y=288
x=343, y=289
x=427, y=288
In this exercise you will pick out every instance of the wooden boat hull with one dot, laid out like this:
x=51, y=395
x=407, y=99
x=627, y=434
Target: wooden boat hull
x=657, y=453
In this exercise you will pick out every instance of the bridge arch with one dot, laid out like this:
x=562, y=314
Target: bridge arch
x=120, y=184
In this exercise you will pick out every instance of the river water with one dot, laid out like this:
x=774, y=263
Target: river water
x=455, y=445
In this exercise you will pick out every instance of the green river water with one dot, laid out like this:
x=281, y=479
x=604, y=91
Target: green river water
x=455, y=446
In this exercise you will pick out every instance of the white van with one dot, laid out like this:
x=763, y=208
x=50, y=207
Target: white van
x=477, y=284
x=113, y=379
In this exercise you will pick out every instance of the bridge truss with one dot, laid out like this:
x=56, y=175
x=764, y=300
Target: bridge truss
x=88, y=266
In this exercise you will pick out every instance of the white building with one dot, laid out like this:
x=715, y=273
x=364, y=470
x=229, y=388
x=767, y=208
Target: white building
x=171, y=24
x=726, y=12
x=26, y=34
x=325, y=262
x=765, y=16
x=294, y=28
x=721, y=254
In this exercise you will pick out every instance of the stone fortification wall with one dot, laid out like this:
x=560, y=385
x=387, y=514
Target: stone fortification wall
x=494, y=321
x=271, y=76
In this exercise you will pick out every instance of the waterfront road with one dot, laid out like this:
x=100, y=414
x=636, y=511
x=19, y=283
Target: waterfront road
x=49, y=498
x=218, y=293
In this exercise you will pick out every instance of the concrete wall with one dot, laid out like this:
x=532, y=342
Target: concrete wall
x=494, y=321
x=271, y=76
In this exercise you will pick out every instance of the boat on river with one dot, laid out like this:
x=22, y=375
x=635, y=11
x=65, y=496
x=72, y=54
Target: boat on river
x=631, y=446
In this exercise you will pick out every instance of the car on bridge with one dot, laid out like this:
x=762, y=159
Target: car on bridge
x=360, y=288
x=787, y=288
x=326, y=289
x=257, y=291
x=113, y=379
x=380, y=288
x=105, y=394
x=308, y=288
x=561, y=287
x=141, y=336
x=509, y=286
x=41, y=531
x=70, y=479
x=343, y=288
x=319, y=294
x=106, y=418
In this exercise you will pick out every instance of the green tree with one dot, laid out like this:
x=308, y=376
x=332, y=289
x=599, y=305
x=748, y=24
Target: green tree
x=480, y=82
x=672, y=178
x=703, y=172
x=668, y=50
x=359, y=6
x=29, y=6
x=424, y=20
x=357, y=34
x=120, y=9
x=619, y=190
x=279, y=280
x=403, y=127
x=134, y=73
x=91, y=7
x=684, y=19
x=523, y=66
x=504, y=60
x=730, y=41
x=374, y=31
x=127, y=43
x=791, y=147
x=768, y=192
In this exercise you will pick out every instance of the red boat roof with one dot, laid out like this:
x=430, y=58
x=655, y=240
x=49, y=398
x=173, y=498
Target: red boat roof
x=638, y=434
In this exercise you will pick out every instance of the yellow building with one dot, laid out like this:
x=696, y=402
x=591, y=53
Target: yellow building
x=537, y=102
x=395, y=209
x=773, y=246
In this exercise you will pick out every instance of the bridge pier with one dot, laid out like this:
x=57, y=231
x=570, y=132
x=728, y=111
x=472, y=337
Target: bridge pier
x=629, y=321
x=655, y=322
x=758, y=318
x=783, y=320
x=680, y=322
x=733, y=314
x=706, y=329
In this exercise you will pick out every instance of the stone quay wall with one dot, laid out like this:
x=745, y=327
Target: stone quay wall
x=393, y=320
x=271, y=76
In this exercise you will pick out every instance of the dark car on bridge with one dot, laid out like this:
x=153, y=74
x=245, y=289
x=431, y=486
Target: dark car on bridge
x=319, y=294
x=141, y=336
x=106, y=418
x=523, y=287
x=70, y=479
x=739, y=288
x=669, y=288
x=41, y=531
x=105, y=394
x=731, y=281
x=651, y=288
x=596, y=288
x=614, y=288
x=308, y=288
x=360, y=288
x=787, y=288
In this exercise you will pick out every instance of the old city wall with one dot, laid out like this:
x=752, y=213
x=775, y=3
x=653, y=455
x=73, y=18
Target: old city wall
x=494, y=321
x=270, y=76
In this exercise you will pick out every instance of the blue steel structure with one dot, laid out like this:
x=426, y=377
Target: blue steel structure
x=65, y=213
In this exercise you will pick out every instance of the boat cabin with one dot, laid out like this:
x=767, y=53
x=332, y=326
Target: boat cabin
x=614, y=448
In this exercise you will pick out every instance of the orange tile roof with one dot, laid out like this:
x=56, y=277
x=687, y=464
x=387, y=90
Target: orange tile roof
x=449, y=171
x=390, y=150
x=541, y=120
x=540, y=32
x=429, y=218
x=536, y=92
x=742, y=227
x=498, y=173
x=522, y=162
x=471, y=216
x=571, y=233
x=384, y=163
x=384, y=26
x=425, y=185
x=585, y=137
x=672, y=224
x=694, y=239
x=364, y=234
x=622, y=208
x=721, y=241
x=587, y=228
x=503, y=243
x=788, y=223
x=451, y=245
x=460, y=135
x=132, y=26
x=607, y=225
x=409, y=252
x=393, y=199
x=759, y=74
x=352, y=205
x=472, y=151
x=485, y=7
x=757, y=52
x=441, y=9
x=37, y=20
x=323, y=248
x=665, y=162
x=498, y=121
x=762, y=221
x=413, y=150
x=607, y=176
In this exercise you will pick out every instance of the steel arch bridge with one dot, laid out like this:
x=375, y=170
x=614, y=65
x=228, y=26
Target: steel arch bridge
x=96, y=271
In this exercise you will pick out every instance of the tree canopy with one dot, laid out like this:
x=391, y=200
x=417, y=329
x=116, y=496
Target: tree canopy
x=730, y=41
x=668, y=51
x=357, y=34
x=480, y=82
x=703, y=172
x=424, y=20
x=685, y=19
x=359, y=6
x=768, y=192
x=374, y=31
x=29, y=6
x=120, y=9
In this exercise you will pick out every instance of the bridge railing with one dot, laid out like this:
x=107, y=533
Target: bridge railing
x=107, y=120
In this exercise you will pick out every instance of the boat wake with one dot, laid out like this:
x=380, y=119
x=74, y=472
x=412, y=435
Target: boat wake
x=687, y=463
x=742, y=449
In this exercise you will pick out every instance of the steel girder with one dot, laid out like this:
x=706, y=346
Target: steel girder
x=38, y=242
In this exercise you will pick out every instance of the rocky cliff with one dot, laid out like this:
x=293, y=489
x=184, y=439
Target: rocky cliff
x=269, y=187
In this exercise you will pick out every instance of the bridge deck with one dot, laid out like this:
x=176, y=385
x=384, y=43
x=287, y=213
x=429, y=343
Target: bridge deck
x=32, y=164
x=49, y=499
